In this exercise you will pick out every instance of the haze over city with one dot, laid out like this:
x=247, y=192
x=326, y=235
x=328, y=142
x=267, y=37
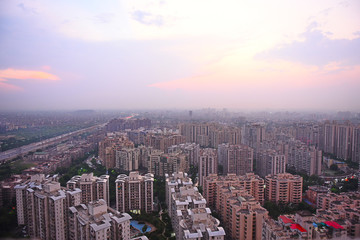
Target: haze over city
x=248, y=55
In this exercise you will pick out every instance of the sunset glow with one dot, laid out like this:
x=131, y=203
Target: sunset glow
x=272, y=49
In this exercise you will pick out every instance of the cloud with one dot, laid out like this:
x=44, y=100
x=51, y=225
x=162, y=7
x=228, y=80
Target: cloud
x=103, y=18
x=147, y=18
x=7, y=74
x=26, y=9
x=316, y=49
x=9, y=87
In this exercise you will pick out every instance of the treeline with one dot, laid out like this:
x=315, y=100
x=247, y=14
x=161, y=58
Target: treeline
x=275, y=210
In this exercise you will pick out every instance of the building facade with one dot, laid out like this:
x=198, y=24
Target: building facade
x=283, y=188
x=135, y=192
x=92, y=188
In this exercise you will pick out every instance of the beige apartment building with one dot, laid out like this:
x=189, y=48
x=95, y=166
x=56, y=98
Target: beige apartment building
x=134, y=192
x=240, y=213
x=283, y=188
x=270, y=162
x=236, y=159
x=210, y=134
x=92, y=188
x=160, y=163
x=190, y=217
x=127, y=159
x=98, y=221
x=173, y=184
x=43, y=207
x=208, y=163
x=304, y=158
x=191, y=150
x=109, y=146
x=252, y=183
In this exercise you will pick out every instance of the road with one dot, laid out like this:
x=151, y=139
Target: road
x=13, y=153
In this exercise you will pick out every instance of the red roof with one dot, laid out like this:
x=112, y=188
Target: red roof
x=285, y=220
x=298, y=227
x=334, y=224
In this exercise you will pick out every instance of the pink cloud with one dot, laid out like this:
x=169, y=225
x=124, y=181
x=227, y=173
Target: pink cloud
x=294, y=76
x=8, y=74
x=27, y=74
x=47, y=68
x=9, y=87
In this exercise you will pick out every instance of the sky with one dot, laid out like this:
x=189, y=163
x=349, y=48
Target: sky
x=180, y=54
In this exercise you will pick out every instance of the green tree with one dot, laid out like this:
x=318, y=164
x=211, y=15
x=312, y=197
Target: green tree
x=334, y=167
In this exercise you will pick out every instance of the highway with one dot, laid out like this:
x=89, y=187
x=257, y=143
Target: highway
x=13, y=153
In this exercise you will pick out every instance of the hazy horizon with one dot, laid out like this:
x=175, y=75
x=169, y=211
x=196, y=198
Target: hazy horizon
x=185, y=55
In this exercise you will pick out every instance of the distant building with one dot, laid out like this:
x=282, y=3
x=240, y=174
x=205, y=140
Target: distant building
x=304, y=158
x=270, y=162
x=109, y=146
x=127, y=159
x=236, y=159
x=160, y=163
x=356, y=145
x=340, y=139
x=254, y=134
x=135, y=192
x=190, y=149
x=208, y=163
x=122, y=124
x=210, y=134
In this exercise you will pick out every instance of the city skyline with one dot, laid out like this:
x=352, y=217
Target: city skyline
x=248, y=55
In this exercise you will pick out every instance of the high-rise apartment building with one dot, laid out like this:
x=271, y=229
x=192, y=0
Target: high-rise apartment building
x=43, y=207
x=270, y=162
x=210, y=134
x=92, y=188
x=109, y=146
x=127, y=159
x=207, y=163
x=163, y=141
x=160, y=163
x=190, y=217
x=329, y=137
x=97, y=221
x=356, y=145
x=236, y=159
x=339, y=139
x=309, y=133
x=283, y=188
x=254, y=134
x=172, y=185
x=304, y=158
x=240, y=213
x=134, y=192
x=190, y=149
x=250, y=182
x=344, y=141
